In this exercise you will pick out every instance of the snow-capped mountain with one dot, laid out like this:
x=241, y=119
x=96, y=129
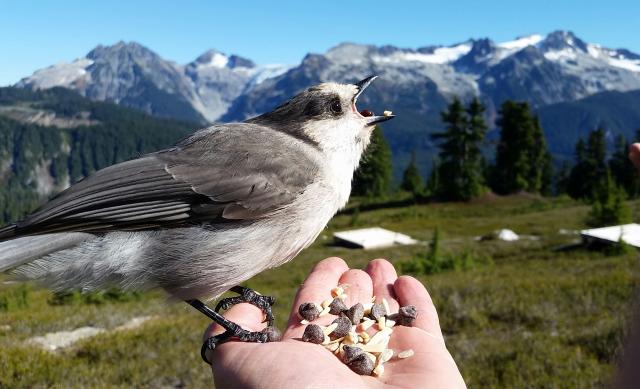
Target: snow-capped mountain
x=132, y=75
x=558, y=68
x=415, y=83
x=542, y=70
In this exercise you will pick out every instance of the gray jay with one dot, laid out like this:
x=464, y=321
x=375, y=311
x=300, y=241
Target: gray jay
x=203, y=216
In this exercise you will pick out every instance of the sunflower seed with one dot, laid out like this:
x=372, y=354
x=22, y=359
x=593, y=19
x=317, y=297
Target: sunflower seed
x=349, y=353
x=355, y=313
x=330, y=328
x=308, y=311
x=405, y=354
x=337, y=291
x=377, y=311
x=342, y=327
x=365, y=325
x=313, y=334
x=362, y=364
x=407, y=315
x=337, y=306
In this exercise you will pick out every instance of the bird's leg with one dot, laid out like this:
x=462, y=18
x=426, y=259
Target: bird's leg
x=252, y=297
x=233, y=330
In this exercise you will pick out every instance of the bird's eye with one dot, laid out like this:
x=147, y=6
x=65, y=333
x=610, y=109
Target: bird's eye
x=336, y=107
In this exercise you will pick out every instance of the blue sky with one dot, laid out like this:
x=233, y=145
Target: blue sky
x=35, y=34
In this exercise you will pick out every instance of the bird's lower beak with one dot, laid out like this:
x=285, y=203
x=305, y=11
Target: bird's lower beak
x=371, y=120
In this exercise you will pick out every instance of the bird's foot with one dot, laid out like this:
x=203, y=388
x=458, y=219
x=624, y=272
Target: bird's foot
x=269, y=334
x=233, y=330
x=252, y=297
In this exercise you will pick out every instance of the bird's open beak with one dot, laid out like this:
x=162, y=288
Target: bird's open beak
x=370, y=119
x=362, y=85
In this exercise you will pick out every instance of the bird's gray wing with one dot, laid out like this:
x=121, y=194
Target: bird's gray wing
x=226, y=172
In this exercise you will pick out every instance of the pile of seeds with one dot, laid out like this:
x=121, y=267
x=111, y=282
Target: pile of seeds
x=349, y=335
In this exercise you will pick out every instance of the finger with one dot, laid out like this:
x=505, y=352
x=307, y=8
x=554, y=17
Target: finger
x=359, y=287
x=245, y=315
x=316, y=288
x=383, y=275
x=411, y=292
x=634, y=154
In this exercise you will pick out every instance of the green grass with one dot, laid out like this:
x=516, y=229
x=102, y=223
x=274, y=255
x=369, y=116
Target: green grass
x=535, y=317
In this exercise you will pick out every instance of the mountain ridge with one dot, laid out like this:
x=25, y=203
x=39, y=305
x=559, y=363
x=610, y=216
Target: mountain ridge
x=52, y=138
x=554, y=68
x=415, y=83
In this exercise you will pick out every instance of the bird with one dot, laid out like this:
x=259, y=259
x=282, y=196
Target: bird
x=201, y=217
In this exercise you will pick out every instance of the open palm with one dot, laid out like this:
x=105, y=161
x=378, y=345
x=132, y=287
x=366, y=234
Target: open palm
x=295, y=364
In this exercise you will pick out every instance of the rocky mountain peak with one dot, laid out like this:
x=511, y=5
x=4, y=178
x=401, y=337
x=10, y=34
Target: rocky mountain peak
x=561, y=40
x=121, y=50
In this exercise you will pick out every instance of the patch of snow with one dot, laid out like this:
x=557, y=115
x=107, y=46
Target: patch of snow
x=624, y=63
x=506, y=49
x=58, y=340
x=594, y=50
x=564, y=54
x=441, y=55
x=613, y=58
x=54, y=341
x=522, y=42
x=61, y=74
x=506, y=235
x=217, y=60
x=265, y=72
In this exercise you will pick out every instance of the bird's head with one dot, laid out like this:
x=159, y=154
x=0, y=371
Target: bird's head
x=326, y=116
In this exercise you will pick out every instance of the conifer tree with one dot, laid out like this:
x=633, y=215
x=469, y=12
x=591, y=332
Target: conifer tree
x=523, y=162
x=541, y=179
x=411, y=179
x=433, y=183
x=623, y=172
x=374, y=176
x=461, y=168
x=608, y=206
x=562, y=179
x=590, y=170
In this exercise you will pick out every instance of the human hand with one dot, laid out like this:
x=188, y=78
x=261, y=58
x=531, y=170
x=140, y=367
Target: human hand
x=294, y=364
x=634, y=154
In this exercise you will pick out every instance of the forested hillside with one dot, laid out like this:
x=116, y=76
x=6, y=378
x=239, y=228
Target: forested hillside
x=615, y=112
x=51, y=138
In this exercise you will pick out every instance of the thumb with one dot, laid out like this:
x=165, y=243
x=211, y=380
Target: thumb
x=634, y=154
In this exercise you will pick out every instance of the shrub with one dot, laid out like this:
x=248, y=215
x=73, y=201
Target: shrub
x=608, y=207
x=436, y=262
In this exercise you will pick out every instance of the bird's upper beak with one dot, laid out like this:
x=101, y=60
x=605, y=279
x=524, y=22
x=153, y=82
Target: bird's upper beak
x=362, y=85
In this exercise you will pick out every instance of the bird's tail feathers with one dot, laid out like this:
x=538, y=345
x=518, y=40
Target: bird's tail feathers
x=18, y=251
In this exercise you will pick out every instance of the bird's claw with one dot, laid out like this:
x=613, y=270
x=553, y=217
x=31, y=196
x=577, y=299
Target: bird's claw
x=249, y=296
x=269, y=334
